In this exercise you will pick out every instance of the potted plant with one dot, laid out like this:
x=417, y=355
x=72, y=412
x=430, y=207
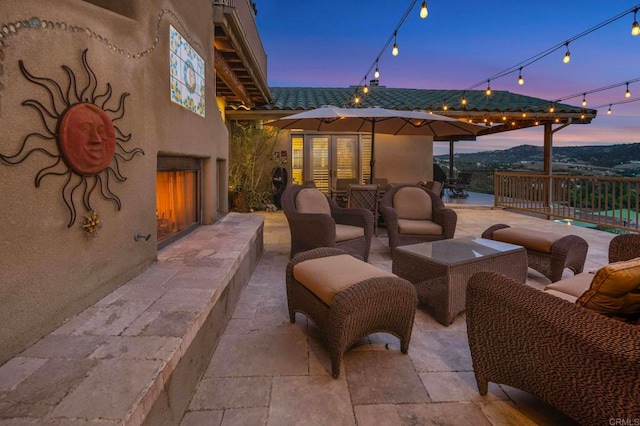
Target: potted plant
x=250, y=164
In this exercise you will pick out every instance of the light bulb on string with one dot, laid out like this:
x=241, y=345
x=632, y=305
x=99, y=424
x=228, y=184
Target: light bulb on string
x=376, y=73
x=635, y=28
x=394, y=51
x=463, y=101
x=609, y=110
x=520, y=79
x=567, y=56
x=365, y=89
x=627, y=94
x=552, y=108
x=584, y=100
x=424, y=12
x=488, y=91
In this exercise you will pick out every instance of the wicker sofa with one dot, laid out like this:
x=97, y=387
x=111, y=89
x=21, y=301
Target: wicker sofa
x=414, y=214
x=584, y=363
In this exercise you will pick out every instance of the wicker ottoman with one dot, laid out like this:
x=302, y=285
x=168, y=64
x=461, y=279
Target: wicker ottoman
x=547, y=252
x=349, y=299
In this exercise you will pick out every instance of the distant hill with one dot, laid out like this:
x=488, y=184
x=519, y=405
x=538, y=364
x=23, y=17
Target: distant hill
x=595, y=155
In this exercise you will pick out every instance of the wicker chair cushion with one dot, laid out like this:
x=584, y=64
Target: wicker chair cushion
x=412, y=203
x=534, y=240
x=310, y=200
x=615, y=290
x=571, y=288
x=348, y=232
x=327, y=276
x=418, y=227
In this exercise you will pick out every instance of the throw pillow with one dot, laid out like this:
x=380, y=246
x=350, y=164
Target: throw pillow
x=615, y=291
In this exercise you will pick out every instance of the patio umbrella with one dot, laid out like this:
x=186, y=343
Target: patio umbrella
x=377, y=120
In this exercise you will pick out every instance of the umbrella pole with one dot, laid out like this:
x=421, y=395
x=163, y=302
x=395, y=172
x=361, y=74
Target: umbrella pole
x=372, y=164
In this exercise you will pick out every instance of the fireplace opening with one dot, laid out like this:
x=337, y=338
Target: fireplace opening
x=177, y=197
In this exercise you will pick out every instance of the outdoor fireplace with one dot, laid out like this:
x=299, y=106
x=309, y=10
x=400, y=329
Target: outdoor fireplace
x=177, y=197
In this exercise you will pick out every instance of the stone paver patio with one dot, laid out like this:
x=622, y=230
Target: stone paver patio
x=267, y=371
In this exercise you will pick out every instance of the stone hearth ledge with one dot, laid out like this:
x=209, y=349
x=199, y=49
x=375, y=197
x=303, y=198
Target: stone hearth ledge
x=136, y=356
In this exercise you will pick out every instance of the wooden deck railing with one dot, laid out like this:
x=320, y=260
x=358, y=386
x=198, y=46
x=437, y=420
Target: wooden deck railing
x=609, y=202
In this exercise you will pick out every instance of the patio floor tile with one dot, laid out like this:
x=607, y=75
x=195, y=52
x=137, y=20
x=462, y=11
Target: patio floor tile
x=310, y=400
x=433, y=384
x=383, y=377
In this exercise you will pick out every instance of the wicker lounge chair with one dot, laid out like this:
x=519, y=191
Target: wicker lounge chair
x=458, y=188
x=411, y=217
x=582, y=362
x=317, y=221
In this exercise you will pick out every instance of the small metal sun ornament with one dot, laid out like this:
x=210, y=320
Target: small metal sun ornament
x=80, y=137
x=92, y=224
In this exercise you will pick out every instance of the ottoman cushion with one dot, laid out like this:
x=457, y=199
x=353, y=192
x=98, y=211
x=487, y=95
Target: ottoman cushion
x=327, y=276
x=538, y=241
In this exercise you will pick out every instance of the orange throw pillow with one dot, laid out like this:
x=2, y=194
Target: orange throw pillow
x=615, y=291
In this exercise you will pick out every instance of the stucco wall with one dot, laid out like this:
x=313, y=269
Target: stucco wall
x=404, y=159
x=49, y=272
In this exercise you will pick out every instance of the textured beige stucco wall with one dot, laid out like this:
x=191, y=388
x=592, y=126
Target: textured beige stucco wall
x=49, y=272
x=404, y=159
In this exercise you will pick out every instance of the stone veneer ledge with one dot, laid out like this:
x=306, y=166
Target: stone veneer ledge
x=135, y=356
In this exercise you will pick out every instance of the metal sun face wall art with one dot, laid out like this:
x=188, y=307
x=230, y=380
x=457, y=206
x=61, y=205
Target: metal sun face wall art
x=80, y=137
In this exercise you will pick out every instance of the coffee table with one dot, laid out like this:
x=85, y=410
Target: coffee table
x=441, y=269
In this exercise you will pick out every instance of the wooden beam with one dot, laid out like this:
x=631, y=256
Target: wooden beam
x=227, y=75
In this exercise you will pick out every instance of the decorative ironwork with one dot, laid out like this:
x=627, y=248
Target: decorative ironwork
x=79, y=135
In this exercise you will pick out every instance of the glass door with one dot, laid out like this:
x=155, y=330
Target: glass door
x=320, y=165
x=330, y=158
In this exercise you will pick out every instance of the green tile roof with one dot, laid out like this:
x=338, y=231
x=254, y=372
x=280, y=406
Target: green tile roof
x=304, y=98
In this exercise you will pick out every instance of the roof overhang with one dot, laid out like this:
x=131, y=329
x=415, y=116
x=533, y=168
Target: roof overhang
x=240, y=60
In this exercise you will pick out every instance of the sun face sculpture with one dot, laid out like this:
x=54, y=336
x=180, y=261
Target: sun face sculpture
x=80, y=137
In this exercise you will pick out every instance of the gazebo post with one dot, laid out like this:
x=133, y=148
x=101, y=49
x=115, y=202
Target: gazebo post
x=451, y=159
x=548, y=162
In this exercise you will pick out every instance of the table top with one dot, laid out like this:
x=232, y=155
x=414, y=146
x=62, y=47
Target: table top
x=458, y=250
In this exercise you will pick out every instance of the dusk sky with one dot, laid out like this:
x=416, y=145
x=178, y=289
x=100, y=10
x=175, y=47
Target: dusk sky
x=461, y=43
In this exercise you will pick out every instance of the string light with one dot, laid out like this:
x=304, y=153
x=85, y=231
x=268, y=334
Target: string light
x=537, y=57
x=567, y=56
x=488, y=91
x=584, y=100
x=445, y=107
x=394, y=51
x=463, y=101
x=635, y=28
x=424, y=12
x=356, y=99
x=609, y=110
x=392, y=39
x=520, y=79
x=365, y=89
x=552, y=108
x=627, y=94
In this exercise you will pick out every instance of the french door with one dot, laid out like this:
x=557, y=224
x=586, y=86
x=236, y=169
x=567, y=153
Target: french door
x=322, y=159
